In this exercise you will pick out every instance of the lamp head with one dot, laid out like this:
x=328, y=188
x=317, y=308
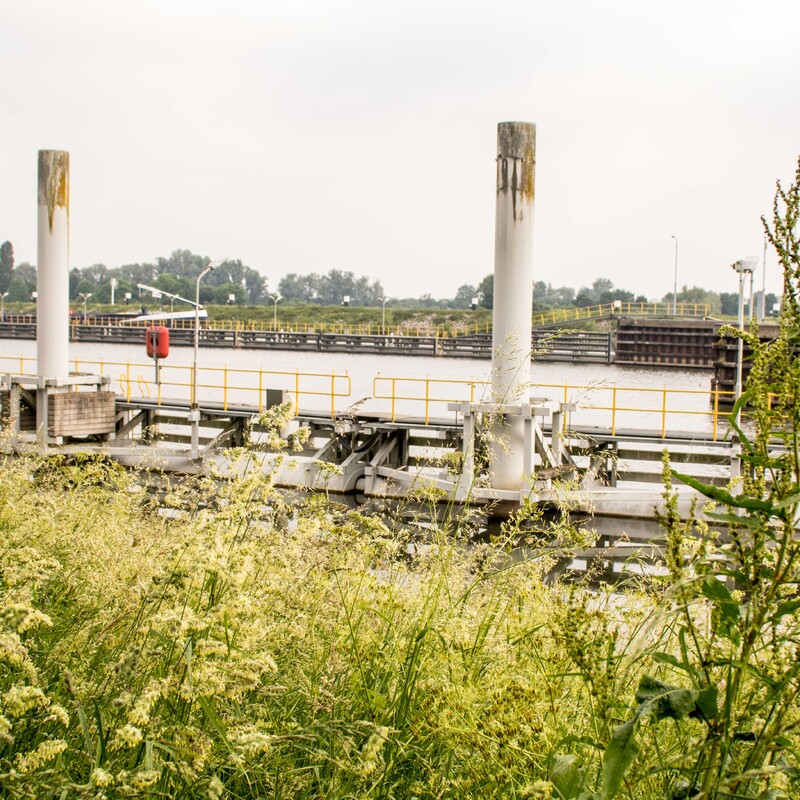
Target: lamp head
x=746, y=265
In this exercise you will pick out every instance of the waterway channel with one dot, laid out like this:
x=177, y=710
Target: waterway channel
x=610, y=396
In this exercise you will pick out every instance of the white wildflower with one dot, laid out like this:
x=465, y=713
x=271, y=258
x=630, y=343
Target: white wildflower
x=12, y=651
x=45, y=752
x=139, y=715
x=128, y=736
x=101, y=778
x=20, y=699
x=216, y=791
x=253, y=742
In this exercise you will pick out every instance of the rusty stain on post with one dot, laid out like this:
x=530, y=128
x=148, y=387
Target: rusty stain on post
x=54, y=181
x=516, y=162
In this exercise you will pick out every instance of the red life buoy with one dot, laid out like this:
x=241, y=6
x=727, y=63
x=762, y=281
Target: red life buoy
x=157, y=338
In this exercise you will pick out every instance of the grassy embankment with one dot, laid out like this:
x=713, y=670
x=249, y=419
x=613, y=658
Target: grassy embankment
x=241, y=647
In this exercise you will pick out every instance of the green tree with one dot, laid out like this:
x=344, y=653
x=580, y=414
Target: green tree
x=464, y=295
x=6, y=265
x=18, y=290
x=701, y=296
x=299, y=288
x=729, y=303
x=486, y=291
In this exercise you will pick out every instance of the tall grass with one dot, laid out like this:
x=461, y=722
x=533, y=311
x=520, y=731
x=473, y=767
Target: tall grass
x=241, y=647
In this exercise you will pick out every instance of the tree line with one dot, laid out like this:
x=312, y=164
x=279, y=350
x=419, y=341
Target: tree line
x=234, y=283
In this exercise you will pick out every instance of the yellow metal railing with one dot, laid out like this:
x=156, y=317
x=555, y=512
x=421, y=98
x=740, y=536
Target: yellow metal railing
x=599, y=405
x=607, y=403
x=622, y=309
x=221, y=384
x=553, y=317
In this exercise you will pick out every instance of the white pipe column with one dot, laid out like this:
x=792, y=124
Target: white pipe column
x=513, y=297
x=52, y=280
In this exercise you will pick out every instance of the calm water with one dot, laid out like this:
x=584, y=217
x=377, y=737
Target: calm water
x=638, y=393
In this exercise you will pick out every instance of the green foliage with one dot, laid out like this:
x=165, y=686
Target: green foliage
x=331, y=289
x=219, y=650
x=722, y=664
x=6, y=265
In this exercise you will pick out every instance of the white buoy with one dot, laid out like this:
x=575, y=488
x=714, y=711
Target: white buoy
x=513, y=299
x=52, y=281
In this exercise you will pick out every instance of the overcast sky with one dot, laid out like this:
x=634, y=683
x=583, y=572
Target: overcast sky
x=357, y=135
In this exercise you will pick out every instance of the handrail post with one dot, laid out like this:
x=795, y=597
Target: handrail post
x=664, y=412
x=297, y=389
x=333, y=395
x=260, y=390
x=614, y=410
x=128, y=381
x=225, y=388
x=716, y=411
x=394, y=383
x=427, y=395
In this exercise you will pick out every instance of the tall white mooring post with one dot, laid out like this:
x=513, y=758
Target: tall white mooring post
x=52, y=281
x=513, y=300
x=65, y=404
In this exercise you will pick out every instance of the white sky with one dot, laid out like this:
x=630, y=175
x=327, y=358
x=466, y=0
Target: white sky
x=360, y=135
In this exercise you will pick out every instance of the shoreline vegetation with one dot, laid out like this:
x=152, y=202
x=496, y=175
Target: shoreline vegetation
x=220, y=642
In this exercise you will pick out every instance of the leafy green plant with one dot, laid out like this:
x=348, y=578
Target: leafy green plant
x=721, y=664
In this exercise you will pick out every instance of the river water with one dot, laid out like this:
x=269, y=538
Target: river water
x=643, y=398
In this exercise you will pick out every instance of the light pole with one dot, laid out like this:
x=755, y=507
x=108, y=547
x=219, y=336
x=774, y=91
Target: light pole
x=85, y=298
x=158, y=293
x=675, y=287
x=200, y=277
x=742, y=268
x=383, y=316
x=194, y=412
x=763, y=314
x=3, y=306
x=275, y=298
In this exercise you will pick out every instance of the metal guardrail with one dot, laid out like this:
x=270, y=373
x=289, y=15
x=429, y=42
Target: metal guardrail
x=554, y=317
x=622, y=309
x=614, y=403
x=610, y=405
x=222, y=384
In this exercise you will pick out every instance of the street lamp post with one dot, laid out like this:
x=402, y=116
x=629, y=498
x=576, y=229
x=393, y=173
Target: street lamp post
x=675, y=287
x=3, y=306
x=275, y=298
x=159, y=293
x=763, y=314
x=383, y=316
x=194, y=412
x=85, y=298
x=742, y=268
